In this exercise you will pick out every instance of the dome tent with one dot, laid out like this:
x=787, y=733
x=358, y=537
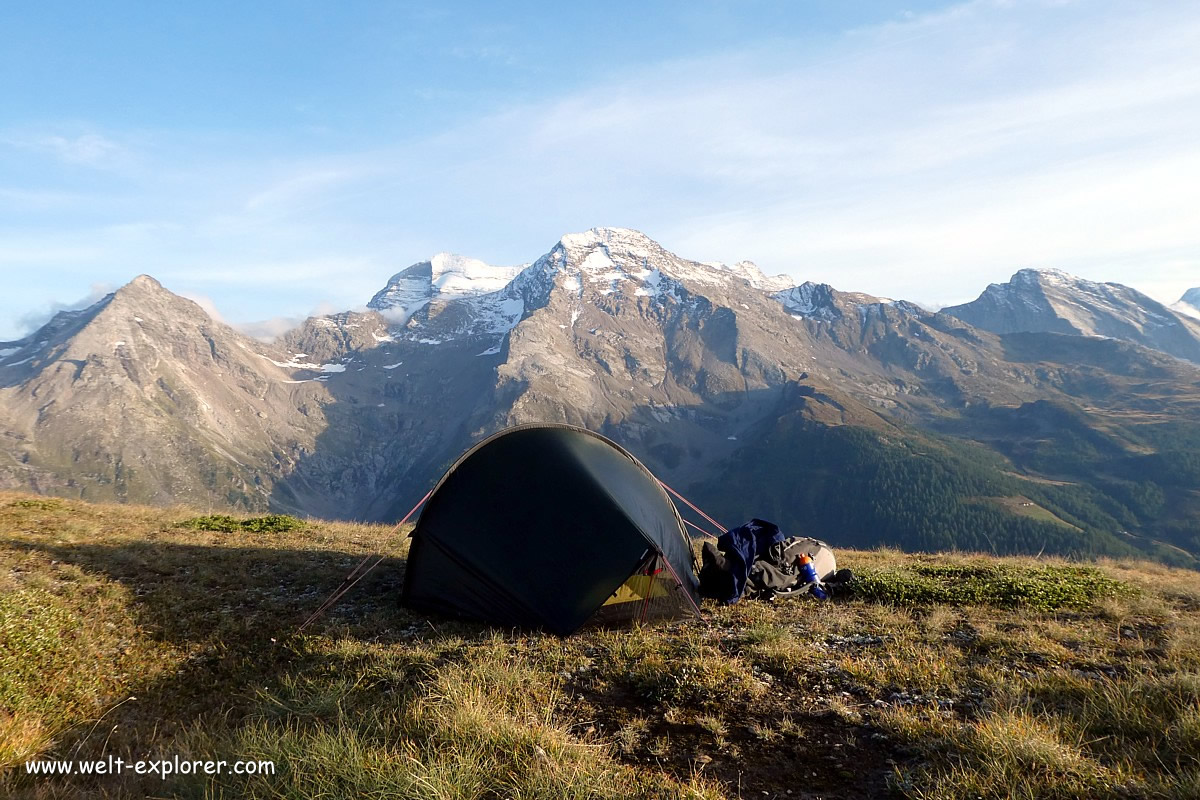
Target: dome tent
x=550, y=526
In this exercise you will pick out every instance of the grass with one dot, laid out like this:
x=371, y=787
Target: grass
x=994, y=583
x=1024, y=507
x=136, y=631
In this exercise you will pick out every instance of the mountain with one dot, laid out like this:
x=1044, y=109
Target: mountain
x=758, y=396
x=1053, y=301
x=143, y=397
x=442, y=278
x=1189, y=304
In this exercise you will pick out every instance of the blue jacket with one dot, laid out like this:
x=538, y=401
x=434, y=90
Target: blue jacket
x=741, y=546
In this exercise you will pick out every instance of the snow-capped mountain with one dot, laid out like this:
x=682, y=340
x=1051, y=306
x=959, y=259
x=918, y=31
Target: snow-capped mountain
x=486, y=301
x=1050, y=300
x=820, y=301
x=1189, y=304
x=444, y=277
x=143, y=397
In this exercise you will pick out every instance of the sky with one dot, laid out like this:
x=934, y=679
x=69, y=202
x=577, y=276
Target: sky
x=276, y=159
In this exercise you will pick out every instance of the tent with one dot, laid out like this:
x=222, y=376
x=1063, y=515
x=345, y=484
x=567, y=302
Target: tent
x=550, y=526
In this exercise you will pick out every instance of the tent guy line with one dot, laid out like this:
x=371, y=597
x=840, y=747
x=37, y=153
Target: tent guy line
x=695, y=508
x=350, y=580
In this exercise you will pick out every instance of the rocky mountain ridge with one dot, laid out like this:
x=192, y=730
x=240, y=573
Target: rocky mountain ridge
x=693, y=366
x=1053, y=301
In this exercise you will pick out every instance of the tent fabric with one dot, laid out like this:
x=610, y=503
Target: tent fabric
x=539, y=526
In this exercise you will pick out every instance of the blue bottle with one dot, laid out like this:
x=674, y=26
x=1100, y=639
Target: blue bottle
x=808, y=571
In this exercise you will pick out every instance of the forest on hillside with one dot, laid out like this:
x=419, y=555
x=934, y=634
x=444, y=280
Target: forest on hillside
x=857, y=487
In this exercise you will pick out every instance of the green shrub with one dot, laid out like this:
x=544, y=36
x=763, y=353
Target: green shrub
x=272, y=523
x=40, y=505
x=1039, y=588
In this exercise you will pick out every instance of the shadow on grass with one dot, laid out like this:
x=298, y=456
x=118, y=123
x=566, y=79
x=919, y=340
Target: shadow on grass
x=232, y=616
x=190, y=594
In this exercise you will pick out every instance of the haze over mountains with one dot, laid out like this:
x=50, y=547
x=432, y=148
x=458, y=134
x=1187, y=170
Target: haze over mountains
x=1050, y=413
x=1189, y=304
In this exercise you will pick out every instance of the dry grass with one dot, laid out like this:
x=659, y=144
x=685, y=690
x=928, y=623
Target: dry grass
x=1016, y=686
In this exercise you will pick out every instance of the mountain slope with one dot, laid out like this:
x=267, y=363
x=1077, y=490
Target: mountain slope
x=1053, y=301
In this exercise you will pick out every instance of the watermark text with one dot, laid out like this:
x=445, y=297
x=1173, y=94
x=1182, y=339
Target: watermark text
x=163, y=768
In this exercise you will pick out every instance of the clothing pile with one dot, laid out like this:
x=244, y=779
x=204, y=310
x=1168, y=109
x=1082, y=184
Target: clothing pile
x=756, y=560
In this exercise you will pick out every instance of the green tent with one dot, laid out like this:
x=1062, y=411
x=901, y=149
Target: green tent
x=550, y=526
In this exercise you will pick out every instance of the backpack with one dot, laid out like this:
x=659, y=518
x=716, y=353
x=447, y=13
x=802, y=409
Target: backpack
x=776, y=572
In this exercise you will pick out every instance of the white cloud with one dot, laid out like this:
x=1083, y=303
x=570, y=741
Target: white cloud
x=89, y=148
x=31, y=321
x=292, y=189
x=205, y=302
x=268, y=330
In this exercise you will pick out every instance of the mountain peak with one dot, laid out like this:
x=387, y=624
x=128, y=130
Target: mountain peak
x=1045, y=275
x=595, y=249
x=1050, y=300
x=597, y=236
x=144, y=281
x=445, y=276
x=142, y=290
x=820, y=301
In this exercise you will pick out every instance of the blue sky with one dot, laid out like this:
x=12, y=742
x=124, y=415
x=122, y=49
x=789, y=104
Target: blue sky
x=275, y=158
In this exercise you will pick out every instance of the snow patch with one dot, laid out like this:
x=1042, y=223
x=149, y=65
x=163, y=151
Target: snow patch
x=651, y=283
x=290, y=364
x=491, y=351
x=598, y=266
x=457, y=276
x=305, y=365
x=393, y=366
x=445, y=277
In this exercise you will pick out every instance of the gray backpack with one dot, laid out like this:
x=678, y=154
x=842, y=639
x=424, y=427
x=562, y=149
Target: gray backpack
x=777, y=573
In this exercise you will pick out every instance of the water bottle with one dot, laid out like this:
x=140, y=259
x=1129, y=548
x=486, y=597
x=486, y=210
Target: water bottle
x=808, y=571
